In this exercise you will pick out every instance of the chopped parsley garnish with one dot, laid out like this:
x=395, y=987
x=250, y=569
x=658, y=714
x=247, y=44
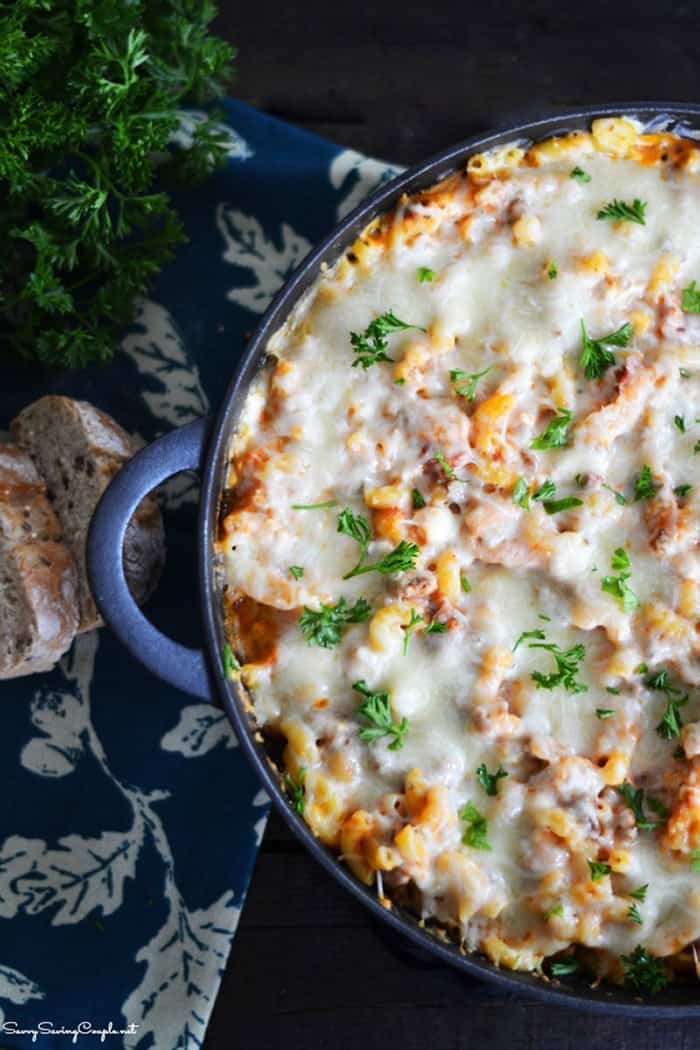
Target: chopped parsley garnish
x=370, y=346
x=595, y=357
x=314, y=506
x=465, y=584
x=468, y=390
x=447, y=469
x=400, y=381
x=644, y=486
x=619, y=498
x=581, y=480
x=425, y=274
x=564, y=967
x=634, y=797
x=612, y=689
x=556, y=435
x=640, y=893
x=670, y=725
x=554, y=506
x=580, y=174
x=643, y=972
x=641, y=669
x=682, y=490
x=634, y=915
x=357, y=528
x=521, y=494
x=417, y=499
x=541, y=616
x=620, y=559
x=435, y=627
x=537, y=633
x=230, y=664
x=296, y=790
x=476, y=833
x=604, y=712
x=599, y=869
x=680, y=423
x=552, y=271
x=408, y=629
x=690, y=300
x=620, y=211
x=545, y=491
x=376, y=710
x=567, y=667
x=683, y=372
x=696, y=447
x=695, y=860
x=402, y=558
x=556, y=909
x=297, y=571
x=324, y=626
x=489, y=781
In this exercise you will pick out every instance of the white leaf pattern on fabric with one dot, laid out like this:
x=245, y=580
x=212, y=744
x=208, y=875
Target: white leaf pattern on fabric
x=200, y=728
x=17, y=857
x=17, y=988
x=172, y=388
x=248, y=246
x=82, y=875
x=62, y=716
x=236, y=146
x=362, y=175
x=183, y=963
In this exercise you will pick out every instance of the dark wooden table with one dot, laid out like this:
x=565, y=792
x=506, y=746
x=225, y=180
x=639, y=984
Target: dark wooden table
x=308, y=970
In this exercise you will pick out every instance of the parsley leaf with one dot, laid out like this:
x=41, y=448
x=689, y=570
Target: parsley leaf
x=690, y=301
x=371, y=345
x=489, y=781
x=634, y=797
x=604, y=712
x=634, y=915
x=564, y=967
x=296, y=790
x=554, y=506
x=546, y=489
x=521, y=494
x=537, y=633
x=598, y=869
x=695, y=860
x=619, y=498
x=595, y=357
x=557, y=909
x=447, y=469
x=671, y=723
x=402, y=558
x=296, y=571
x=425, y=274
x=465, y=584
x=417, y=499
x=376, y=710
x=643, y=972
x=580, y=174
x=468, y=391
x=357, y=528
x=435, y=627
x=556, y=434
x=230, y=664
x=314, y=506
x=620, y=559
x=644, y=486
x=408, y=629
x=682, y=490
x=324, y=626
x=552, y=271
x=620, y=211
x=683, y=372
x=640, y=893
x=680, y=423
x=618, y=587
x=567, y=667
x=476, y=833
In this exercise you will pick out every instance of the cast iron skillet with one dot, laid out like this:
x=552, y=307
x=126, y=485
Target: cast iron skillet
x=203, y=446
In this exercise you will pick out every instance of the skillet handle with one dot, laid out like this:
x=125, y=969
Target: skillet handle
x=182, y=449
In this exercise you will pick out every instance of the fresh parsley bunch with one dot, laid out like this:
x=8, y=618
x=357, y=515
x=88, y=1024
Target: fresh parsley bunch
x=89, y=93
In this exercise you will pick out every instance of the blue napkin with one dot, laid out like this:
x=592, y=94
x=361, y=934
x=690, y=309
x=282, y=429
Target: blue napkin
x=130, y=819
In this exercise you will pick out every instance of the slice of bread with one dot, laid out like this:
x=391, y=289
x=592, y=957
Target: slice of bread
x=38, y=578
x=77, y=450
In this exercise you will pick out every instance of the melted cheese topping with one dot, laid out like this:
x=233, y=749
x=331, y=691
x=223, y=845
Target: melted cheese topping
x=496, y=268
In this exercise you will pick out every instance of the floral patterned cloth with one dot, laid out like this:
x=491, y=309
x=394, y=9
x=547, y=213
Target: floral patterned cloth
x=130, y=819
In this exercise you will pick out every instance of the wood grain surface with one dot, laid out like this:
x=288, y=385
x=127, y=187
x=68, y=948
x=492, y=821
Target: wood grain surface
x=308, y=969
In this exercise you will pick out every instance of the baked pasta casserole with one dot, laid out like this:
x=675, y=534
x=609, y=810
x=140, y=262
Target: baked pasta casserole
x=459, y=541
